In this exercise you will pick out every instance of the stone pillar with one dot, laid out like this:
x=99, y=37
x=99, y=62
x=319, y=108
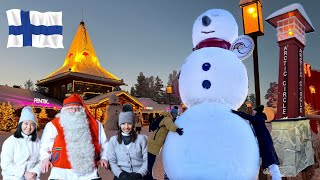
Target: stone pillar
x=293, y=144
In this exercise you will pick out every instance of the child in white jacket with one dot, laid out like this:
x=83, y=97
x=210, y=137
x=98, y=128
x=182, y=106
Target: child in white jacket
x=20, y=152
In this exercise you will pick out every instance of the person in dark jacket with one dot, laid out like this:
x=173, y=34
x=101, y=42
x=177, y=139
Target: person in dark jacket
x=267, y=152
x=150, y=120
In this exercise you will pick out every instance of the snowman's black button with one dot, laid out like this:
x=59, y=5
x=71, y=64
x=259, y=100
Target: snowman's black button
x=206, y=21
x=206, y=84
x=206, y=66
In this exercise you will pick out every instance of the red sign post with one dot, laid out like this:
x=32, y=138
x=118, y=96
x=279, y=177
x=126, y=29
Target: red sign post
x=292, y=24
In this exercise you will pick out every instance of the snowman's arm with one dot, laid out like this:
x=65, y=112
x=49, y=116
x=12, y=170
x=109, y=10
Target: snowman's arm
x=168, y=123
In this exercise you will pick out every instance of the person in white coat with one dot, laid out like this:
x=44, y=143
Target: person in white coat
x=127, y=151
x=20, y=152
x=74, y=143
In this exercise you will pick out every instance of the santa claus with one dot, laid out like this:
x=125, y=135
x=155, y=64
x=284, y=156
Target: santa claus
x=74, y=143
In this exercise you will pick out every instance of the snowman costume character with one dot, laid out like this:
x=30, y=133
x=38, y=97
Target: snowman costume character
x=217, y=144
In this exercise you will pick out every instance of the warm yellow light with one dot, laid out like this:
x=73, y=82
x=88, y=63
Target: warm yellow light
x=290, y=32
x=255, y=15
x=95, y=60
x=251, y=10
x=312, y=89
x=79, y=57
x=309, y=70
x=252, y=18
x=169, y=89
x=74, y=68
x=249, y=104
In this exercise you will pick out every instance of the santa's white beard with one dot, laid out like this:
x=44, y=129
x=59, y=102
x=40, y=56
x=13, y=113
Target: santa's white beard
x=78, y=139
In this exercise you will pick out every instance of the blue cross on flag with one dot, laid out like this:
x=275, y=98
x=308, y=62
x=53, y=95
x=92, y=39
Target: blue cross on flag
x=36, y=29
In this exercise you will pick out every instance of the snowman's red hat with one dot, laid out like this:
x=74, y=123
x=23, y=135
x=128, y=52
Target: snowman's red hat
x=213, y=42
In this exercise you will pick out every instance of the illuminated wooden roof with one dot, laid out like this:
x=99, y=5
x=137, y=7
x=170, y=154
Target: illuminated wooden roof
x=82, y=59
x=104, y=97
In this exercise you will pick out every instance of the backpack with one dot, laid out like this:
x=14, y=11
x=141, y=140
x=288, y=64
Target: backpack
x=155, y=124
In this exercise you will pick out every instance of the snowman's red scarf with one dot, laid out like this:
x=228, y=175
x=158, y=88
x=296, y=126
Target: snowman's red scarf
x=213, y=42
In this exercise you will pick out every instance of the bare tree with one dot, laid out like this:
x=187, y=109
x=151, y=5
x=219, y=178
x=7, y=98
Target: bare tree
x=29, y=85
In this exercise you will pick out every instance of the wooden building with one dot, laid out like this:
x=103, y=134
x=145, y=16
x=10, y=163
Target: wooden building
x=99, y=104
x=81, y=72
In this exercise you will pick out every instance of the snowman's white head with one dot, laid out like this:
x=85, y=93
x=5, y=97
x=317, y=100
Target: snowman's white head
x=213, y=75
x=215, y=23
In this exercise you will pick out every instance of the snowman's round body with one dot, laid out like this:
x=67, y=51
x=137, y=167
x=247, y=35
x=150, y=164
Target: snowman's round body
x=216, y=144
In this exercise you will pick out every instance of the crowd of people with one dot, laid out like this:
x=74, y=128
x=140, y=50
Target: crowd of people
x=74, y=144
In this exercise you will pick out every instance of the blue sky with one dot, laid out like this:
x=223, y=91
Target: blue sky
x=153, y=37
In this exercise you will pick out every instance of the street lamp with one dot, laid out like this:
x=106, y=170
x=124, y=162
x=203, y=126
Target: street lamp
x=249, y=107
x=253, y=26
x=313, y=91
x=169, y=92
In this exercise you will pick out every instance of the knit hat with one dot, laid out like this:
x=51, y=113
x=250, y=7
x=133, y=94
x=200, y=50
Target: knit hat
x=127, y=115
x=259, y=108
x=174, y=111
x=27, y=114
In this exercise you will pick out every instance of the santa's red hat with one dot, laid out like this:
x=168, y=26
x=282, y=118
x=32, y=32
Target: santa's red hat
x=75, y=99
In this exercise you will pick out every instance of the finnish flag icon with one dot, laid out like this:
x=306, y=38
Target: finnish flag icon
x=36, y=29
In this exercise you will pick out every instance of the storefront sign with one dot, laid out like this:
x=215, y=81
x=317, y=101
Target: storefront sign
x=40, y=101
x=149, y=108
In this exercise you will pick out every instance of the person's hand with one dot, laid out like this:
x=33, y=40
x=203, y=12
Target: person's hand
x=179, y=131
x=103, y=163
x=30, y=175
x=134, y=176
x=46, y=164
x=124, y=175
x=235, y=112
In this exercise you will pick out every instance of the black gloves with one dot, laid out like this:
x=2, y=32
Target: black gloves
x=134, y=176
x=179, y=131
x=130, y=176
x=124, y=175
x=244, y=115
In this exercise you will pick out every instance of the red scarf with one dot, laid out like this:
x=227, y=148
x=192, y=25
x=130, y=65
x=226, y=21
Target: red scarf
x=213, y=42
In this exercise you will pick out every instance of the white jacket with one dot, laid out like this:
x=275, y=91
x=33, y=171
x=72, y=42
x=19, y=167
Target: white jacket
x=47, y=140
x=19, y=155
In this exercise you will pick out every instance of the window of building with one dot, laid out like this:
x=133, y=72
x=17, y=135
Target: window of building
x=69, y=88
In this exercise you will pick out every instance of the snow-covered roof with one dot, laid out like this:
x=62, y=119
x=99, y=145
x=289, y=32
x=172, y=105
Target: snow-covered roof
x=23, y=97
x=156, y=108
x=288, y=9
x=104, y=97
